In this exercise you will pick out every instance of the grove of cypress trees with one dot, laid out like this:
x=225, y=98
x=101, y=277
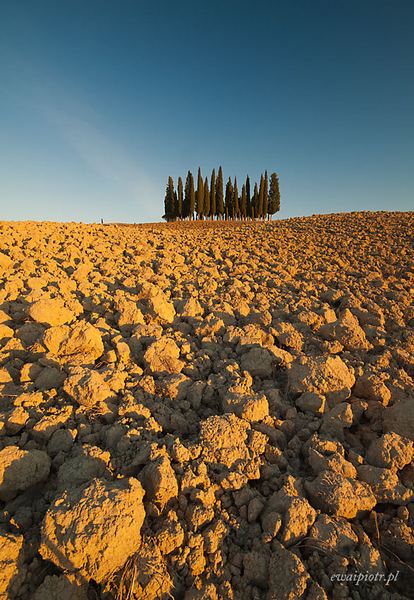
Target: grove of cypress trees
x=274, y=195
x=206, y=198
x=200, y=195
x=219, y=194
x=265, y=196
x=211, y=200
x=213, y=194
x=179, y=205
x=243, y=202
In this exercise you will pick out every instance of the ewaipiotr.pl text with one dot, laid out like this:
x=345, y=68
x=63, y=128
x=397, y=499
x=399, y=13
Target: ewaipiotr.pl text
x=358, y=578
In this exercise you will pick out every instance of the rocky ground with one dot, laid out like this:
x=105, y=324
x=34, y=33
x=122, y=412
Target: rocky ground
x=207, y=411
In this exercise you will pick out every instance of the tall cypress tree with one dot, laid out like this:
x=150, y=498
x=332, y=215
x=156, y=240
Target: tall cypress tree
x=186, y=203
x=189, y=199
x=229, y=199
x=169, y=200
x=219, y=194
x=261, y=196
x=213, y=194
x=192, y=197
x=206, y=198
x=255, y=203
x=179, y=206
x=248, y=196
x=265, y=196
x=243, y=202
x=274, y=195
x=236, y=208
x=200, y=195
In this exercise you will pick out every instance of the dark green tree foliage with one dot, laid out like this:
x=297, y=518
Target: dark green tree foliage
x=209, y=201
x=229, y=199
x=179, y=205
x=274, y=195
x=248, y=196
x=192, y=198
x=213, y=194
x=219, y=194
x=243, y=202
x=259, y=213
x=186, y=203
x=189, y=198
x=200, y=195
x=255, y=203
x=206, y=198
x=169, y=201
x=235, y=203
x=265, y=195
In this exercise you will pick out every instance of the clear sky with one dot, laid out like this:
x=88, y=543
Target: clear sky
x=101, y=100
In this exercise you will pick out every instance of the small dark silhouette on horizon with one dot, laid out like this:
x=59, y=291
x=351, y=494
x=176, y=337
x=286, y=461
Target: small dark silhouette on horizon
x=210, y=202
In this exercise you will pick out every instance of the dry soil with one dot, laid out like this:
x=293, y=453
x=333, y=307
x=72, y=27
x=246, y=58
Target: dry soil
x=207, y=410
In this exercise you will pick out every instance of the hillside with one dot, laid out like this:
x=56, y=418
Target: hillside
x=207, y=410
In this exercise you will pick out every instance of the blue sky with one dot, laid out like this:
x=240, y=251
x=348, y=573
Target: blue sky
x=101, y=100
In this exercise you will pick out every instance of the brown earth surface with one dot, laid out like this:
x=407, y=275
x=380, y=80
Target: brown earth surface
x=207, y=410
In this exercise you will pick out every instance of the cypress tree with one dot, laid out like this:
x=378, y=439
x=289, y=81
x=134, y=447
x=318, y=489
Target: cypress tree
x=219, y=194
x=243, y=203
x=229, y=199
x=179, y=206
x=206, y=198
x=169, y=200
x=172, y=199
x=200, y=195
x=265, y=196
x=189, y=199
x=274, y=195
x=255, y=203
x=259, y=212
x=186, y=203
x=192, y=197
x=236, y=208
x=248, y=213
x=213, y=194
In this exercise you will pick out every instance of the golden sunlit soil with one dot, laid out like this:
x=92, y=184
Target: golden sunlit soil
x=207, y=410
